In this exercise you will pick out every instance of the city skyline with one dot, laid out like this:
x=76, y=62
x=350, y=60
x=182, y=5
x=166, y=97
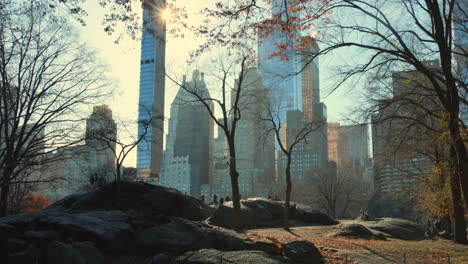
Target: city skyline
x=124, y=59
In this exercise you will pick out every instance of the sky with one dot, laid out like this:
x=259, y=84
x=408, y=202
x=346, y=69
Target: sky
x=123, y=65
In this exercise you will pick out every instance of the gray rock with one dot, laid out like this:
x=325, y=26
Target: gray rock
x=14, y=245
x=303, y=252
x=258, y=212
x=20, y=221
x=212, y=256
x=29, y=256
x=165, y=258
x=75, y=253
x=353, y=230
x=6, y=232
x=112, y=236
x=137, y=197
x=396, y=228
x=308, y=215
x=90, y=253
x=41, y=237
x=182, y=235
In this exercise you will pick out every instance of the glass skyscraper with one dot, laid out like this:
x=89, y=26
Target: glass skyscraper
x=152, y=90
x=293, y=80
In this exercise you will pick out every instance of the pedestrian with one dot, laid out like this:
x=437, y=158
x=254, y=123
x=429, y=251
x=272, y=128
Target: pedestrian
x=215, y=199
x=221, y=201
x=202, y=198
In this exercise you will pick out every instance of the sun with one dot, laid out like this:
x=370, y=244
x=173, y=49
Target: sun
x=165, y=14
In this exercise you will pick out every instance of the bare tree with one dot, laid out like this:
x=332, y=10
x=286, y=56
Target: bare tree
x=121, y=142
x=45, y=76
x=385, y=41
x=297, y=134
x=230, y=113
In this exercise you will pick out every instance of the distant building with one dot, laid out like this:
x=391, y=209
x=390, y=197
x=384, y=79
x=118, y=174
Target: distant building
x=221, y=180
x=348, y=147
x=188, y=156
x=255, y=149
x=101, y=134
x=78, y=167
x=400, y=149
x=310, y=154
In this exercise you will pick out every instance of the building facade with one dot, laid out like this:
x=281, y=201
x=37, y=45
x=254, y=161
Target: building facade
x=189, y=152
x=101, y=134
x=399, y=145
x=255, y=149
x=152, y=90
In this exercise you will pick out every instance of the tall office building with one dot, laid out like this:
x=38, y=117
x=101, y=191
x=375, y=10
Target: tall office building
x=348, y=147
x=101, y=134
x=255, y=149
x=400, y=149
x=310, y=154
x=152, y=89
x=292, y=77
x=188, y=156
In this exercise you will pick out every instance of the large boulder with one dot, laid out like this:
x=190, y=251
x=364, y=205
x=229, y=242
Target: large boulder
x=396, y=228
x=180, y=235
x=353, y=230
x=303, y=252
x=137, y=198
x=75, y=253
x=258, y=212
x=109, y=230
x=213, y=256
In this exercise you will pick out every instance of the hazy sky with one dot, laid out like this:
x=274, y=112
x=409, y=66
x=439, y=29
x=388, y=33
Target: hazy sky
x=123, y=67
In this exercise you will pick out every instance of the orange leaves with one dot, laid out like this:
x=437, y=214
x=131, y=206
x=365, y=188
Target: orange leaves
x=36, y=204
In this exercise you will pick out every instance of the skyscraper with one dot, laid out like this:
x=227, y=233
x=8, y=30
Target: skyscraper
x=101, y=134
x=188, y=157
x=152, y=89
x=399, y=144
x=348, y=147
x=255, y=148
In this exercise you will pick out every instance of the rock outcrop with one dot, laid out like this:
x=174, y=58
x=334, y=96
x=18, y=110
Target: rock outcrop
x=258, y=212
x=395, y=227
x=149, y=222
x=355, y=231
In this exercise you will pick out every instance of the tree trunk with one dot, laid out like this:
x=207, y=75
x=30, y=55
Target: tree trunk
x=4, y=200
x=288, y=193
x=117, y=173
x=459, y=232
x=460, y=155
x=234, y=180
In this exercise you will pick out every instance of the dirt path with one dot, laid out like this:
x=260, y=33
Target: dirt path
x=393, y=251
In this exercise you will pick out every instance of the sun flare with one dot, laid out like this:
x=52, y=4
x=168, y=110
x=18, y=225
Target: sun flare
x=165, y=14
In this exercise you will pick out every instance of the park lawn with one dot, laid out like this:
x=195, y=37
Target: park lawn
x=350, y=250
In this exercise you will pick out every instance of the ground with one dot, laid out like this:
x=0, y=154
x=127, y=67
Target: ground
x=350, y=250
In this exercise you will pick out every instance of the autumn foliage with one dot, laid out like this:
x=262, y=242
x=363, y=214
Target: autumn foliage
x=36, y=203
